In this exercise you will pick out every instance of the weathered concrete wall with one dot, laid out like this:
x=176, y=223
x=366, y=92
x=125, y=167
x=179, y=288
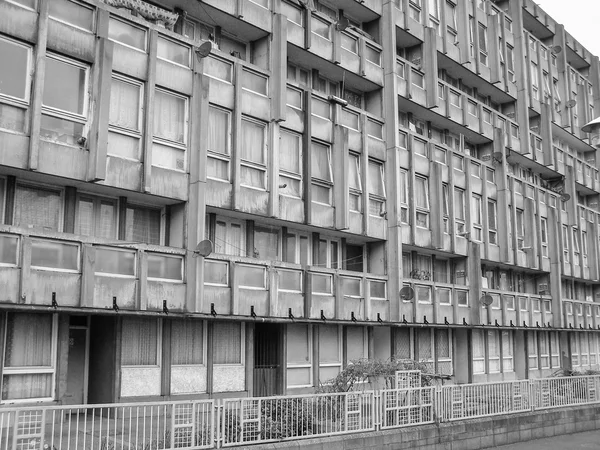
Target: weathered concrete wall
x=462, y=435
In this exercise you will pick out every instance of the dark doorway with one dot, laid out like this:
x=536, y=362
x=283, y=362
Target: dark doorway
x=77, y=361
x=102, y=367
x=268, y=379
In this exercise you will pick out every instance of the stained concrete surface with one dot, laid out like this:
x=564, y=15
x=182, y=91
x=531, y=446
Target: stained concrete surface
x=584, y=440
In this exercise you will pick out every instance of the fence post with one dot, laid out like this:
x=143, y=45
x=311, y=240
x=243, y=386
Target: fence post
x=377, y=412
x=437, y=404
x=217, y=432
x=532, y=394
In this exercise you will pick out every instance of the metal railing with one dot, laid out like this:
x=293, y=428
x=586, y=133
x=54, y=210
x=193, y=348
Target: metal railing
x=565, y=391
x=242, y=421
x=255, y=420
x=133, y=426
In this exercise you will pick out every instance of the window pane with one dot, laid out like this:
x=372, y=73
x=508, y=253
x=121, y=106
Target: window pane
x=216, y=272
x=253, y=277
x=8, y=249
x=139, y=340
x=27, y=386
x=351, y=287
x=290, y=280
x=187, y=342
x=254, y=82
x=376, y=179
x=72, y=13
x=165, y=267
x=266, y=244
x=298, y=344
x=127, y=34
x=169, y=116
x=289, y=152
x=329, y=346
x=227, y=338
x=64, y=86
x=174, y=52
x=28, y=340
x=218, y=131
x=37, y=207
x=115, y=261
x=253, y=136
x=355, y=344
x=321, y=284
x=218, y=68
x=13, y=78
x=61, y=130
x=54, y=255
x=321, y=168
x=377, y=289
x=125, y=104
x=142, y=225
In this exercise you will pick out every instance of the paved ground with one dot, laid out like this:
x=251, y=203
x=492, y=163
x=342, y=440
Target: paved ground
x=585, y=440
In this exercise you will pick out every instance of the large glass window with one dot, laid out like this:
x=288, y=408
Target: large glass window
x=140, y=342
x=219, y=143
x=96, y=216
x=330, y=352
x=187, y=342
x=321, y=173
x=170, y=130
x=299, y=355
x=125, y=118
x=421, y=193
x=376, y=189
x=290, y=164
x=227, y=343
x=354, y=184
x=15, y=84
x=64, y=101
x=29, y=356
x=142, y=224
x=253, y=170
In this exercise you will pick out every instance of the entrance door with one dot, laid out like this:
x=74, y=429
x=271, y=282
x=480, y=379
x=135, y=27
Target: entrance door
x=77, y=361
x=267, y=360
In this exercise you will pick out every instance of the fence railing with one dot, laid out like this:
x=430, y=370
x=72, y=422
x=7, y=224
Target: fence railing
x=200, y=424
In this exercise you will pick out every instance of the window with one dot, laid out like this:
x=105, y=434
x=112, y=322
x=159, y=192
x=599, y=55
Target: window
x=38, y=207
x=115, y=262
x=187, y=342
x=218, y=68
x=320, y=27
x=404, y=217
x=329, y=253
x=64, y=101
x=351, y=287
x=349, y=43
x=354, y=183
x=140, y=339
x=478, y=343
x=321, y=173
x=507, y=351
x=165, y=267
x=422, y=201
x=174, y=52
x=459, y=210
x=219, y=144
x=520, y=228
x=266, y=243
x=143, y=224
x=510, y=63
x=322, y=284
x=255, y=82
x=290, y=280
x=55, y=255
x=216, y=273
x=230, y=237
x=299, y=354
x=532, y=347
x=296, y=248
x=476, y=217
x=127, y=34
x=492, y=221
x=483, y=46
x=294, y=14
x=29, y=356
x=96, y=216
x=330, y=352
x=534, y=80
x=125, y=117
x=376, y=189
x=170, y=130
x=227, y=343
x=294, y=98
x=290, y=164
x=72, y=13
x=15, y=84
x=253, y=170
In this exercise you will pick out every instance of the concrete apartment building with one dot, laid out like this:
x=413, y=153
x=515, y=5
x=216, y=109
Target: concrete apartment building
x=379, y=179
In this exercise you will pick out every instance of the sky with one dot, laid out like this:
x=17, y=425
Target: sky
x=581, y=19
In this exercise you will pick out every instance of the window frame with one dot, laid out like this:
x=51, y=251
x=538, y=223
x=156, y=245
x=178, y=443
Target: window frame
x=223, y=157
x=253, y=165
x=133, y=133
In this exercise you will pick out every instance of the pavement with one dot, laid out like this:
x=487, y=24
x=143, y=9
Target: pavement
x=584, y=440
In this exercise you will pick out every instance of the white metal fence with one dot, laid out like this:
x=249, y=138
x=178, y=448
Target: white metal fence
x=243, y=421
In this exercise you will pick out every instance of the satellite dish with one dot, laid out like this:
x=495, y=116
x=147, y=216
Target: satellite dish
x=407, y=293
x=556, y=49
x=565, y=197
x=204, y=50
x=342, y=24
x=571, y=103
x=497, y=156
x=486, y=300
x=204, y=248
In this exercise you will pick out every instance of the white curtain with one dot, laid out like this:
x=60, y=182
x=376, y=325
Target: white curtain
x=125, y=104
x=187, y=342
x=218, y=131
x=329, y=344
x=169, y=116
x=142, y=225
x=421, y=193
x=28, y=344
x=354, y=173
x=376, y=179
x=355, y=344
x=37, y=207
x=227, y=343
x=266, y=243
x=139, y=338
x=253, y=137
x=289, y=152
x=321, y=164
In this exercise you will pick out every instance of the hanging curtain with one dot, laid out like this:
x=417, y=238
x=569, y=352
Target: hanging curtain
x=37, y=207
x=187, y=342
x=218, y=131
x=321, y=168
x=125, y=105
x=85, y=217
x=227, y=339
x=169, y=116
x=142, y=225
x=139, y=338
x=253, y=137
x=289, y=152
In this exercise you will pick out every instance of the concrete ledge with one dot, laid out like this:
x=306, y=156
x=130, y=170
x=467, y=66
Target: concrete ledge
x=460, y=435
